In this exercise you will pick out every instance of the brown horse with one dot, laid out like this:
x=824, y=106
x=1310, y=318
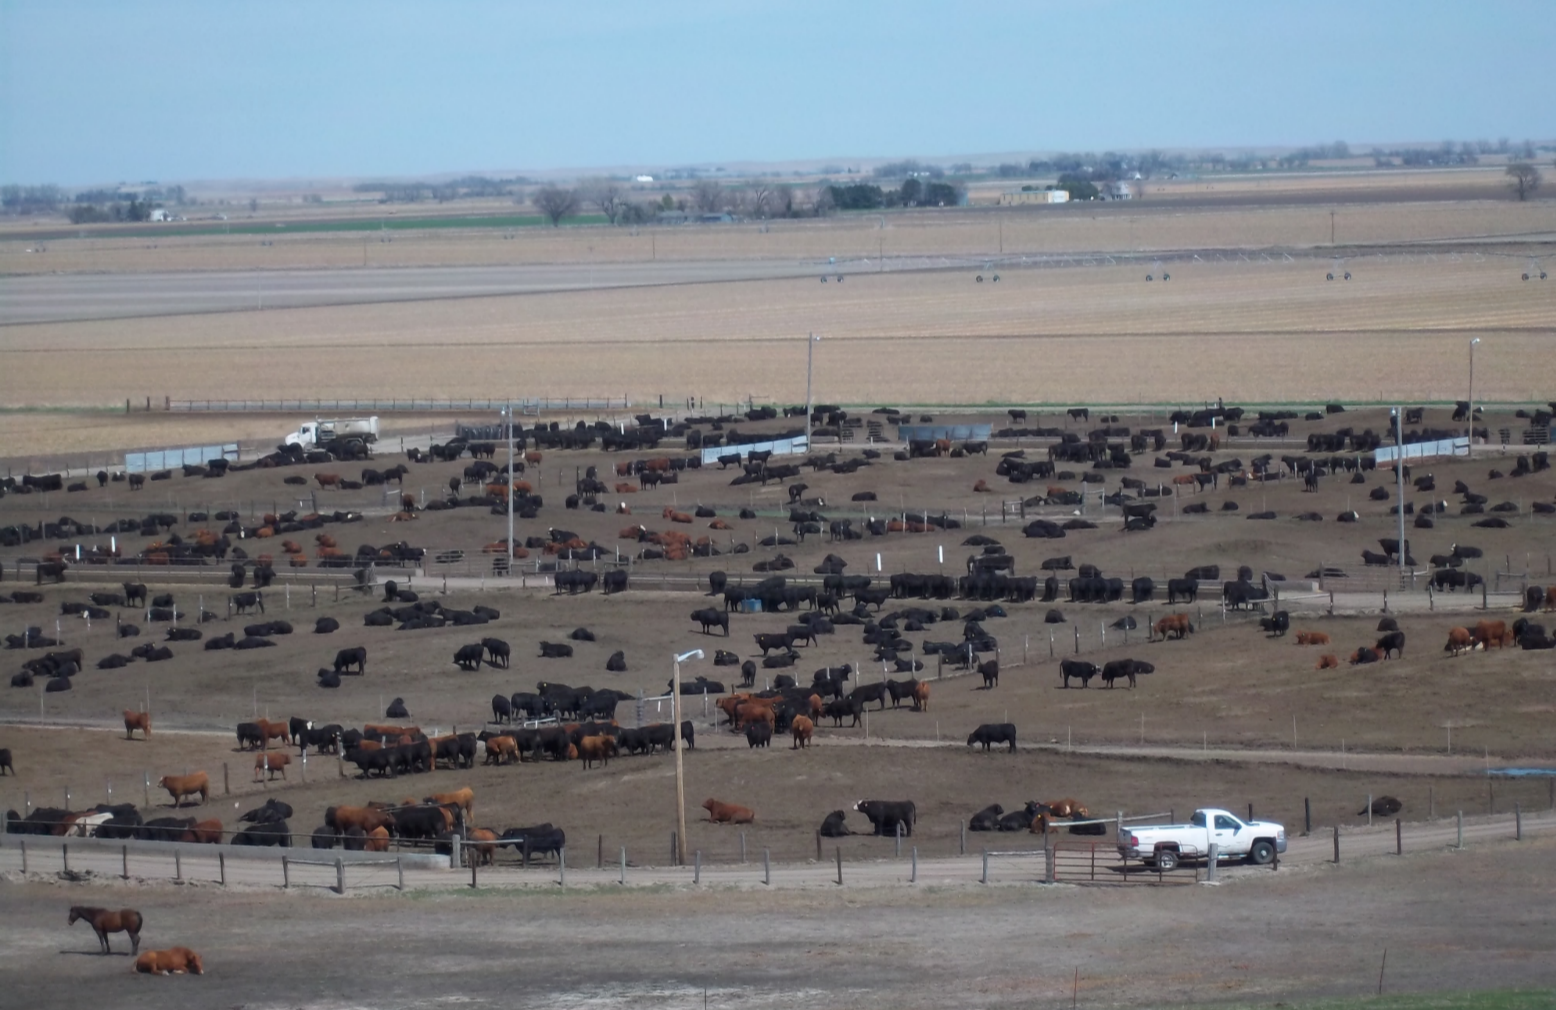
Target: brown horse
x=103, y=921
x=137, y=721
x=173, y=961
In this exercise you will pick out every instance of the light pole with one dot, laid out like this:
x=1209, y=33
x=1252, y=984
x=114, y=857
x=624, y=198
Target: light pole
x=508, y=414
x=1472, y=396
x=680, y=776
x=1399, y=482
x=810, y=357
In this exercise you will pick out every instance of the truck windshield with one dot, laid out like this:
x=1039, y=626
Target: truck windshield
x=1198, y=820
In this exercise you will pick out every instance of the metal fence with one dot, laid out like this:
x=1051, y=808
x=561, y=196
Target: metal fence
x=167, y=459
x=526, y=405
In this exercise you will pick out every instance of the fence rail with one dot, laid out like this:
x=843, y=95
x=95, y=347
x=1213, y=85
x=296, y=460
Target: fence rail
x=527, y=405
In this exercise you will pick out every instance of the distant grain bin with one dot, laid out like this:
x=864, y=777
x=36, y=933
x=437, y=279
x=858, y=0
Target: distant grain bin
x=1038, y=196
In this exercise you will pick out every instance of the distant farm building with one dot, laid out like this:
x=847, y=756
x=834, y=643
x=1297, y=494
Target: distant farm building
x=1038, y=196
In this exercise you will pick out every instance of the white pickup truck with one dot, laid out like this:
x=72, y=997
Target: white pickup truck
x=1165, y=845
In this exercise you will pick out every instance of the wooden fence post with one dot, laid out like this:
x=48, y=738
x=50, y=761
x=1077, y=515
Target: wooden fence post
x=839, y=862
x=340, y=876
x=399, y=869
x=124, y=856
x=286, y=872
x=1337, y=843
x=221, y=865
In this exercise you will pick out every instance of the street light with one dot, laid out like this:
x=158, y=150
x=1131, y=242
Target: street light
x=1472, y=395
x=680, y=775
x=810, y=356
x=1399, y=482
x=507, y=413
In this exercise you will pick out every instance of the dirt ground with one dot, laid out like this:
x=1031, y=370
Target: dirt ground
x=1221, y=327
x=1261, y=939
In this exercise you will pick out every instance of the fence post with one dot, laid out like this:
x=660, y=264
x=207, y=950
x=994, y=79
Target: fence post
x=340, y=876
x=561, y=865
x=286, y=873
x=1369, y=810
x=1212, y=856
x=226, y=783
x=24, y=862
x=985, y=878
x=399, y=869
x=1460, y=818
x=914, y=878
x=672, y=848
x=962, y=850
x=623, y=876
x=1050, y=860
x=221, y=866
x=64, y=854
x=697, y=867
x=178, y=865
x=1337, y=843
x=818, y=845
x=1307, y=816
x=146, y=781
x=899, y=840
x=454, y=855
x=474, y=861
x=1399, y=838
x=1518, y=822
x=743, y=845
x=124, y=855
x=599, y=852
x=767, y=867
x=839, y=862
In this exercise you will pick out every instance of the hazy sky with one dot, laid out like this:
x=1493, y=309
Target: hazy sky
x=160, y=89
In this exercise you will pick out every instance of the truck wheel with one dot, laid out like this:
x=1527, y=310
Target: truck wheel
x=1166, y=860
x=1262, y=853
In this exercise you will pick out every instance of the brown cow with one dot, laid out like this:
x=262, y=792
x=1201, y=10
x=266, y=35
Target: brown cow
x=982, y=486
x=500, y=749
x=801, y=729
x=179, y=786
x=1328, y=662
x=1312, y=638
x=1459, y=641
x=1172, y=626
x=265, y=761
x=327, y=479
x=596, y=748
x=208, y=832
x=137, y=721
x=1489, y=633
x=727, y=813
x=274, y=731
x=921, y=696
x=173, y=961
x=719, y=524
x=484, y=842
x=753, y=711
x=377, y=840
x=1550, y=599
x=366, y=818
x=463, y=798
x=325, y=540
x=676, y=517
x=291, y=547
x=389, y=732
x=532, y=457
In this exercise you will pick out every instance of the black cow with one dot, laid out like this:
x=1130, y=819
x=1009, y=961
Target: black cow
x=541, y=839
x=269, y=812
x=887, y=815
x=991, y=733
x=759, y=734
x=989, y=670
x=468, y=657
x=865, y=693
x=552, y=650
x=832, y=825
x=1393, y=642
x=987, y=819
x=325, y=625
x=710, y=617
x=396, y=710
x=1277, y=624
x=1126, y=668
x=243, y=602
x=1079, y=669
x=1187, y=589
x=271, y=833
x=345, y=659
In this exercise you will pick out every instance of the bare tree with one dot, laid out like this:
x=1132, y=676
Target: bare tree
x=1523, y=178
x=761, y=199
x=606, y=195
x=707, y=196
x=555, y=202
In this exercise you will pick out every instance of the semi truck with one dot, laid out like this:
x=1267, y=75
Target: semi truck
x=1166, y=845
x=343, y=438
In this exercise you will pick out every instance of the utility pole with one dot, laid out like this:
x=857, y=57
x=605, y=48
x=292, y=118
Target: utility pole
x=508, y=413
x=1472, y=396
x=810, y=357
x=1399, y=475
x=680, y=775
